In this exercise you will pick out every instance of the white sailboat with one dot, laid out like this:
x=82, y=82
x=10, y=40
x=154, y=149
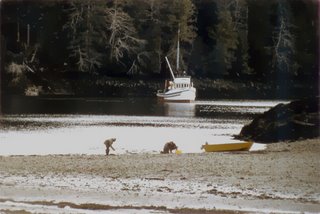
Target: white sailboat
x=179, y=89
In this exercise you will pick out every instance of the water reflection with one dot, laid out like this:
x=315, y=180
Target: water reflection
x=140, y=125
x=216, y=109
x=180, y=109
x=234, y=109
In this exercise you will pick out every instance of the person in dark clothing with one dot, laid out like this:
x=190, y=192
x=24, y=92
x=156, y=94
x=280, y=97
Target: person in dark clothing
x=168, y=147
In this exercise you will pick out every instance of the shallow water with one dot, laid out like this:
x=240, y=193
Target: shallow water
x=140, y=125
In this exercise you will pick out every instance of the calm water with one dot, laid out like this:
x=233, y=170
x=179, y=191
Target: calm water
x=79, y=126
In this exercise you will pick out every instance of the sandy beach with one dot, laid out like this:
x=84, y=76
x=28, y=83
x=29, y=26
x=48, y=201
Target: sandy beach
x=284, y=178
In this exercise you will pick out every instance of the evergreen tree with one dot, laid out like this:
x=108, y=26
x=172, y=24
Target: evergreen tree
x=86, y=26
x=240, y=16
x=259, y=37
x=23, y=29
x=151, y=25
x=306, y=40
x=178, y=20
x=226, y=37
x=158, y=22
x=186, y=18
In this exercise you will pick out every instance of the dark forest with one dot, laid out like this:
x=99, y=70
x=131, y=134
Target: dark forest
x=263, y=48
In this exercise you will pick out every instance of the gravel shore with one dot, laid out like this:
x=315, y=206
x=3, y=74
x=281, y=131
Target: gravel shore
x=284, y=178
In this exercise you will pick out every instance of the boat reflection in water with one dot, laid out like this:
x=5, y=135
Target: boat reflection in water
x=179, y=109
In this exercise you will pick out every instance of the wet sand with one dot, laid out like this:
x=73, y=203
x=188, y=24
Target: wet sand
x=284, y=178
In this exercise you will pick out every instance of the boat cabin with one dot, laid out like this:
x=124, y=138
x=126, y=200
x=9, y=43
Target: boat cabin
x=179, y=83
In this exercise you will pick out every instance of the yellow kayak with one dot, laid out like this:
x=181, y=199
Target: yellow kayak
x=245, y=146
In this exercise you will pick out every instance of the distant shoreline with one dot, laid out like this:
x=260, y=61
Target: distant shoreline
x=206, y=89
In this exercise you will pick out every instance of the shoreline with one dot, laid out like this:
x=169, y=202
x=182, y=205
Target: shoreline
x=281, y=179
x=220, y=88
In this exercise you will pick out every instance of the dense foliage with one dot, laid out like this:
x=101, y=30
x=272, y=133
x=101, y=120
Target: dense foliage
x=273, y=41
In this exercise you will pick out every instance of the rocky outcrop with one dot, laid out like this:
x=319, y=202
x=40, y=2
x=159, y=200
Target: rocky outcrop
x=285, y=122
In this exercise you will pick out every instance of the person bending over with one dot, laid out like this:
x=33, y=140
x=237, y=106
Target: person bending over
x=108, y=144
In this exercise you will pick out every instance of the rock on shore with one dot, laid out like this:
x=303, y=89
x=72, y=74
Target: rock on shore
x=285, y=122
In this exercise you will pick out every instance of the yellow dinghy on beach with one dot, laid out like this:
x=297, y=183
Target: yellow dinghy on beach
x=228, y=147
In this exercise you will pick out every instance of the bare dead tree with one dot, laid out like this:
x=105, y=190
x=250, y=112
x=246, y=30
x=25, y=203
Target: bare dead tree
x=283, y=40
x=121, y=34
x=84, y=34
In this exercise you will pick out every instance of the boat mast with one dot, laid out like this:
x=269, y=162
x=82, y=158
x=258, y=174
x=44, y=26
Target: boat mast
x=178, y=49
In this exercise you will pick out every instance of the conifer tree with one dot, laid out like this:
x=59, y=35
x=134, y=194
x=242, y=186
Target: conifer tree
x=158, y=24
x=186, y=18
x=86, y=26
x=240, y=17
x=226, y=37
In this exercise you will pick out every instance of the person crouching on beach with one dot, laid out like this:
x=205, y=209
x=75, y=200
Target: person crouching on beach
x=168, y=147
x=108, y=144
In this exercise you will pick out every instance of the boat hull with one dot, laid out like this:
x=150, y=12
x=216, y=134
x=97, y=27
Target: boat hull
x=227, y=147
x=176, y=95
